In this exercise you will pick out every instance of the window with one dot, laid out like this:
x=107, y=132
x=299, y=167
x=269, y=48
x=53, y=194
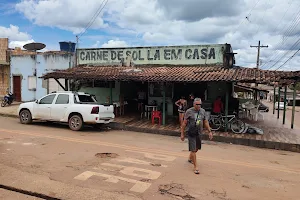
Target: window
x=84, y=99
x=48, y=99
x=62, y=99
x=31, y=82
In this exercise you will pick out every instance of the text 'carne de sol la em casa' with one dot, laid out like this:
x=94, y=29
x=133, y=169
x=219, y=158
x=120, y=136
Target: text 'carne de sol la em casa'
x=141, y=55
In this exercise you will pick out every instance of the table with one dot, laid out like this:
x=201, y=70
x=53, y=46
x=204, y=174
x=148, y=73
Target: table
x=118, y=105
x=149, y=110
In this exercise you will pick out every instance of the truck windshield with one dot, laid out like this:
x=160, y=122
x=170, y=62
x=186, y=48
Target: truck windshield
x=85, y=99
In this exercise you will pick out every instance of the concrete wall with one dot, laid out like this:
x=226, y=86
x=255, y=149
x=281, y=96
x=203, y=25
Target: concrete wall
x=26, y=65
x=103, y=93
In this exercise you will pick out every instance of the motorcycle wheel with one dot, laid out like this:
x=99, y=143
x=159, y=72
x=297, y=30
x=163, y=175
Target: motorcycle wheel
x=3, y=103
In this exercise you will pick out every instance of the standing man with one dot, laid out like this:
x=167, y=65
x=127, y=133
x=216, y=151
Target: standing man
x=195, y=119
x=190, y=101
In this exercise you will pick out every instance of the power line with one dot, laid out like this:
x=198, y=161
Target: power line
x=286, y=53
x=288, y=59
x=99, y=10
x=283, y=15
x=287, y=32
x=247, y=17
x=259, y=26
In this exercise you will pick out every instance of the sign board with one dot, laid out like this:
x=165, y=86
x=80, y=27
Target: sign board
x=174, y=55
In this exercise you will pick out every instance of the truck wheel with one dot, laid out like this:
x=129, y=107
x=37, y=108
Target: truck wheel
x=76, y=123
x=25, y=117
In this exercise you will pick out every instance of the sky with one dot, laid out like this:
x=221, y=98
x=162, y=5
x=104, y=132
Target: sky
x=125, y=23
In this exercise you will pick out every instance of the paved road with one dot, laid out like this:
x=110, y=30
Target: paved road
x=54, y=161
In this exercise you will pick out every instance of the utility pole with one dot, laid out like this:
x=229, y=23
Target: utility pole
x=257, y=61
x=258, y=52
x=76, y=61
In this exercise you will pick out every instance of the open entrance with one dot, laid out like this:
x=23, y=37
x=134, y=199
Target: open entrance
x=130, y=91
x=185, y=89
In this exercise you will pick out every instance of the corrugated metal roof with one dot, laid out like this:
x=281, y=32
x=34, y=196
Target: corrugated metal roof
x=171, y=74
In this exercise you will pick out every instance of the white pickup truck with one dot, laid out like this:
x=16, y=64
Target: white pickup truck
x=75, y=108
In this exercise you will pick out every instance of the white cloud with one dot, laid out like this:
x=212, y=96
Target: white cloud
x=15, y=36
x=13, y=33
x=72, y=15
x=96, y=45
x=114, y=44
x=14, y=44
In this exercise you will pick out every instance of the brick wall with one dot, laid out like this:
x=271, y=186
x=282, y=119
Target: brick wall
x=4, y=79
x=3, y=49
x=4, y=69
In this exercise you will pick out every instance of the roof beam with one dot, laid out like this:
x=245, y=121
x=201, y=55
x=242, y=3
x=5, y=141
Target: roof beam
x=59, y=83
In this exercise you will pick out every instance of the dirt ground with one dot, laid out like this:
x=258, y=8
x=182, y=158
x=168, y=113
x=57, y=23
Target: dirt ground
x=50, y=159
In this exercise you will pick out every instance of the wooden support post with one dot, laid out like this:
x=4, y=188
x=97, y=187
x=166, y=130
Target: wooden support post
x=284, y=100
x=274, y=100
x=164, y=104
x=110, y=93
x=65, y=89
x=226, y=109
x=294, y=104
x=66, y=85
x=278, y=103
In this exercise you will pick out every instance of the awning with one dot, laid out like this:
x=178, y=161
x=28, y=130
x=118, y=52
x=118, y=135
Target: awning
x=170, y=73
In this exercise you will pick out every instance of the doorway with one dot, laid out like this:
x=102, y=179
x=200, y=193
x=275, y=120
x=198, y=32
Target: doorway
x=185, y=89
x=17, y=87
x=129, y=90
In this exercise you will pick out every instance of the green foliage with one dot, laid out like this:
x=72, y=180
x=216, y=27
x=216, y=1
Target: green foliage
x=297, y=86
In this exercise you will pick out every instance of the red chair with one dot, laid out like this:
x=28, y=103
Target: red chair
x=156, y=115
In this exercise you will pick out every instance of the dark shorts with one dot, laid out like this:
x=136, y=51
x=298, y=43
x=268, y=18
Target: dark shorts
x=194, y=143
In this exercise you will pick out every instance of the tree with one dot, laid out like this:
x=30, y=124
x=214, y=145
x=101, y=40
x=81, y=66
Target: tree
x=297, y=86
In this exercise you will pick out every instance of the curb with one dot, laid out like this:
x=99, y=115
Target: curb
x=238, y=141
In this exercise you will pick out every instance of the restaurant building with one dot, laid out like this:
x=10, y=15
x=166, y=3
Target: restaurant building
x=165, y=73
x=162, y=61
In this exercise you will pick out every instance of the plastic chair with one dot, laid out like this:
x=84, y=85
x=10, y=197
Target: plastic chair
x=156, y=115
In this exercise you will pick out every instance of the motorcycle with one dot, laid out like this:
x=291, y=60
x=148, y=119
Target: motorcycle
x=8, y=99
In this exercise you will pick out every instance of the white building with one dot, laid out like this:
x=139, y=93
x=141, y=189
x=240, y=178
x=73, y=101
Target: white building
x=27, y=67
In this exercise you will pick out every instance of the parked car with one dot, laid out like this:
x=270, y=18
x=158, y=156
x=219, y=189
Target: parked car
x=263, y=107
x=281, y=105
x=74, y=108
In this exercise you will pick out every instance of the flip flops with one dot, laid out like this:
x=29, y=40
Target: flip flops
x=195, y=171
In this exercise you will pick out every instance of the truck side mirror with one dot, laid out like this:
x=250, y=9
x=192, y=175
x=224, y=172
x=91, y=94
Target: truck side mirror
x=37, y=101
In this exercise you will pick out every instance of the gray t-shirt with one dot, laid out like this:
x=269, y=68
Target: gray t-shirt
x=195, y=121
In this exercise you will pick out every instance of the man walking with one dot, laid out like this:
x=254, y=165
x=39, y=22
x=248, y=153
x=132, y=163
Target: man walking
x=195, y=119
